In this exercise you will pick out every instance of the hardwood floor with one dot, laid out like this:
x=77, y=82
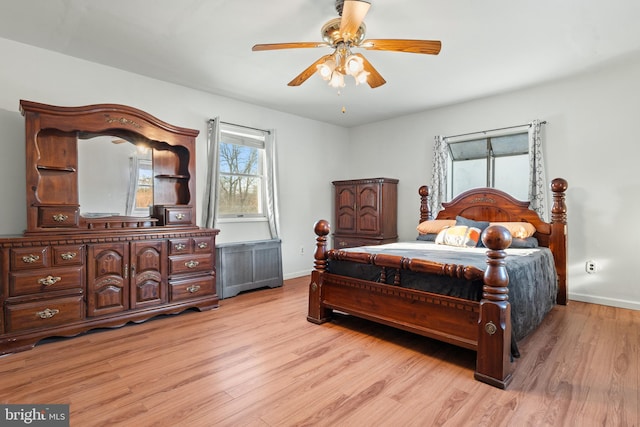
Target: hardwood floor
x=256, y=361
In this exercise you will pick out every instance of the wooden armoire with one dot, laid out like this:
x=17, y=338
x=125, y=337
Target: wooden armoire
x=95, y=255
x=366, y=212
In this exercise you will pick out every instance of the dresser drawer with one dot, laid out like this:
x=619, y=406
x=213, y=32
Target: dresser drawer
x=68, y=255
x=173, y=215
x=45, y=280
x=44, y=314
x=190, y=263
x=30, y=258
x=203, y=244
x=192, y=288
x=58, y=216
x=179, y=246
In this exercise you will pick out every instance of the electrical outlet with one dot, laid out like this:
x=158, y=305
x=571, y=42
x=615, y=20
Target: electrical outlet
x=590, y=266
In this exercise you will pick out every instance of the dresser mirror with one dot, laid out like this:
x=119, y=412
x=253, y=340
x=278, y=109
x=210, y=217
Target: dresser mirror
x=115, y=177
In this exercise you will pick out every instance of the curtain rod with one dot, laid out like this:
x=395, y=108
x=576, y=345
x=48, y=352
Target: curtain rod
x=243, y=126
x=492, y=130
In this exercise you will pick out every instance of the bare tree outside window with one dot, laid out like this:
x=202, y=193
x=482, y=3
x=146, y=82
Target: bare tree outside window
x=240, y=180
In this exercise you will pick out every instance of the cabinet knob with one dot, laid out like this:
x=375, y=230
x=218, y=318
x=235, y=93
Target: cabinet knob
x=180, y=246
x=203, y=245
x=193, y=288
x=179, y=216
x=191, y=264
x=68, y=256
x=48, y=281
x=30, y=259
x=47, y=313
x=60, y=217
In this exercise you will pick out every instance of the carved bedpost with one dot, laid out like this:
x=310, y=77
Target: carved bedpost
x=424, y=203
x=317, y=313
x=558, y=239
x=494, y=323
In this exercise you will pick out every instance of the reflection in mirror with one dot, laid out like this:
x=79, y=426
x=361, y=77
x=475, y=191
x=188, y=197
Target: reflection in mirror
x=115, y=177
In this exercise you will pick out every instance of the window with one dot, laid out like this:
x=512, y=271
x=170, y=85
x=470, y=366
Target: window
x=498, y=161
x=241, y=173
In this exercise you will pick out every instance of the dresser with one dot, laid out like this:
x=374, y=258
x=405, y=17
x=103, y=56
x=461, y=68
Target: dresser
x=365, y=212
x=93, y=255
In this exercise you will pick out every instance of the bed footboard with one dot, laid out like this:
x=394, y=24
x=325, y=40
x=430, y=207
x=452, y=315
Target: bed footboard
x=483, y=326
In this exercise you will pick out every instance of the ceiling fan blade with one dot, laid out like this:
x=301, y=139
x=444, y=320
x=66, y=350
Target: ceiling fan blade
x=353, y=13
x=430, y=47
x=297, y=45
x=374, y=79
x=303, y=76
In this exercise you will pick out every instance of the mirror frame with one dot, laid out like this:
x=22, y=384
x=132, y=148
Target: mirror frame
x=51, y=136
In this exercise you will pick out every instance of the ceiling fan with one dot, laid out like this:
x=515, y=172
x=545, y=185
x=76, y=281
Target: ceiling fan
x=343, y=34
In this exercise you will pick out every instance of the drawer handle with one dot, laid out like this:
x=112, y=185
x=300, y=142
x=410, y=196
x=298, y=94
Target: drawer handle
x=60, y=217
x=193, y=288
x=49, y=280
x=191, y=264
x=180, y=246
x=203, y=245
x=68, y=256
x=179, y=216
x=30, y=259
x=47, y=313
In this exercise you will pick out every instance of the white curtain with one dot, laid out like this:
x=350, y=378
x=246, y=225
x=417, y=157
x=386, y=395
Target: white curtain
x=438, y=190
x=271, y=186
x=210, y=201
x=538, y=187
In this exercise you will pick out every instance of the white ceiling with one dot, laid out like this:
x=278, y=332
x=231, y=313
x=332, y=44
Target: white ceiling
x=488, y=46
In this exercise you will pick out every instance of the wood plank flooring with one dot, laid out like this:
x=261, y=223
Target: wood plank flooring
x=256, y=361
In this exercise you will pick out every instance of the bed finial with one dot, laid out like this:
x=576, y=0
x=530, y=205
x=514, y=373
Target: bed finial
x=497, y=239
x=559, y=209
x=559, y=235
x=322, y=229
x=424, y=203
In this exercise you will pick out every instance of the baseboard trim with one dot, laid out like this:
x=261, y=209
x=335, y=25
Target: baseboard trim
x=297, y=274
x=614, y=302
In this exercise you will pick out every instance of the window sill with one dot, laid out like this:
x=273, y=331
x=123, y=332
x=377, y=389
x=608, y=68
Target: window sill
x=241, y=219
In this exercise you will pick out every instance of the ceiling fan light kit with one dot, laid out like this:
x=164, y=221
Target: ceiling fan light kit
x=341, y=63
x=343, y=34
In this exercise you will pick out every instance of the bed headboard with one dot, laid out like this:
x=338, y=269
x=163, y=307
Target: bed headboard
x=489, y=204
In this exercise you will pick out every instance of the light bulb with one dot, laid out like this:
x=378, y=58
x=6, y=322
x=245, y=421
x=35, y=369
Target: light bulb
x=361, y=77
x=354, y=65
x=337, y=79
x=325, y=69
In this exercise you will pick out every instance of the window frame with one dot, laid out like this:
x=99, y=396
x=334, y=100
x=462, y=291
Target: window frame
x=489, y=155
x=244, y=137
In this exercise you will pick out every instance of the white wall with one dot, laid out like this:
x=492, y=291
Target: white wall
x=43, y=76
x=590, y=140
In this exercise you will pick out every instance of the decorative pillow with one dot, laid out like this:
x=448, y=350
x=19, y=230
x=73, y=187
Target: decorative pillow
x=460, y=220
x=529, y=242
x=519, y=230
x=429, y=237
x=459, y=235
x=435, y=225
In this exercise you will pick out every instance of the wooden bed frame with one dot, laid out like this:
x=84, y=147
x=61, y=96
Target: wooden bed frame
x=483, y=326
